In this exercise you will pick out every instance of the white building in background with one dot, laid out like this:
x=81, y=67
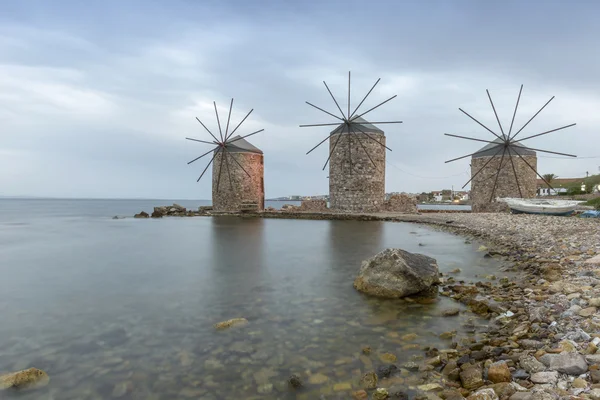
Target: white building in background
x=551, y=192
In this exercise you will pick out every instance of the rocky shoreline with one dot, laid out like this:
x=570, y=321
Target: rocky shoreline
x=543, y=331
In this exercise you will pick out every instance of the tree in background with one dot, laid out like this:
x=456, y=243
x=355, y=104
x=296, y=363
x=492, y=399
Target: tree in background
x=550, y=177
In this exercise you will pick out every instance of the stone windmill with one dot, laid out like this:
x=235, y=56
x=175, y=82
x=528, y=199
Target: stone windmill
x=356, y=157
x=504, y=167
x=238, y=162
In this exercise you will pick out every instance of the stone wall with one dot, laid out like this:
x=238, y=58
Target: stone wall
x=357, y=186
x=482, y=185
x=243, y=188
x=400, y=203
x=313, y=205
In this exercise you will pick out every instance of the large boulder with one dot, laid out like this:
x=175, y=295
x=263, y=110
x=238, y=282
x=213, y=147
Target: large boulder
x=395, y=273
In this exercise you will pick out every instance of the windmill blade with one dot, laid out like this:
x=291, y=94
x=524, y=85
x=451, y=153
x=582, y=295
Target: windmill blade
x=371, y=109
x=218, y=122
x=348, y=96
x=228, y=118
x=201, y=141
x=514, y=170
x=484, y=165
x=208, y=130
x=333, y=149
x=228, y=170
x=236, y=161
x=349, y=150
x=496, y=114
x=472, y=154
x=311, y=125
x=245, y=136
x=386, y=122
x=363, y=147
x=550, y=131
x=370, y=137
x=326, y=112
x=552, y=152
x=531, y=119
x=197, y=158
x=238, y=125
x=208, y=165
x=220, y=167
x=336, y=103
x=515, y=112
x=321, y=142
x=364, y=98
x=498, y=174
x=488, y=129
x=534, y=170
x=466, y=137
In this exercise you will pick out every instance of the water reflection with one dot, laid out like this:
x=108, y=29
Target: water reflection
x=238, y=265
x=352, y=241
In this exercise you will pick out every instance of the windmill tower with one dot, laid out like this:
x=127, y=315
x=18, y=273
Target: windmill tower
x=246, y=181
x=356, y=158
x=522, y=182
x=357, y=169
x=504, y=167
x=238, y=168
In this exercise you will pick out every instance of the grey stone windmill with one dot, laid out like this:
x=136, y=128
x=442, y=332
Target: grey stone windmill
x=504, y=167
x=356, y=156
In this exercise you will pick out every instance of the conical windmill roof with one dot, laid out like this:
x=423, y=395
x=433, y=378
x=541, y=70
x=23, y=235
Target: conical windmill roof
x=362, y=123
x=489, y=150
x=240, y=146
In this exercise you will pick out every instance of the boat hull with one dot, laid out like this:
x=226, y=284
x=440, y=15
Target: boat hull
x=541, y=207
x=557, y=213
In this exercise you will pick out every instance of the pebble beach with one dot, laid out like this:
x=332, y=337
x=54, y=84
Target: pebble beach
x=543, y=331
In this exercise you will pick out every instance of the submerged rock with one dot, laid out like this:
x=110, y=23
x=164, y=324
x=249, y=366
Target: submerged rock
x=369, y=380
x=484, y=394
x=380, y=394
x=231, y=323
x=31, y=378
x=295, y=381
x=395, y=273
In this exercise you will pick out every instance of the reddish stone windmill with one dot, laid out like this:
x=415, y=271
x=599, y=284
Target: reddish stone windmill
x=356, y=157
x=240, y=163
x=504, y=167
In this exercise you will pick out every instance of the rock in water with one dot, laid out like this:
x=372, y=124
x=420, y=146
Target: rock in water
x=295, y=381
x=369, y=380
x=231, y=323
x=380, y=394
x=484, y=394
x=27, y=379
x=395, y=273
x=143, y=214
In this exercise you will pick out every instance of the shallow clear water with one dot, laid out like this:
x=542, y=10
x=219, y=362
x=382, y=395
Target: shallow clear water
x=125, y=308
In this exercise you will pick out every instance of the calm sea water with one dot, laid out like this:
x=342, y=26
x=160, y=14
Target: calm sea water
x=124, y=308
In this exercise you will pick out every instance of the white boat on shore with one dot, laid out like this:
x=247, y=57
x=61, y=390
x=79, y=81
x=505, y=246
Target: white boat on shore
x=541, y=206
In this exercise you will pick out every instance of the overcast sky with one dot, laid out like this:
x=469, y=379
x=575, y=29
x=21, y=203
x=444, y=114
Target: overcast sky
x=97, y=97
